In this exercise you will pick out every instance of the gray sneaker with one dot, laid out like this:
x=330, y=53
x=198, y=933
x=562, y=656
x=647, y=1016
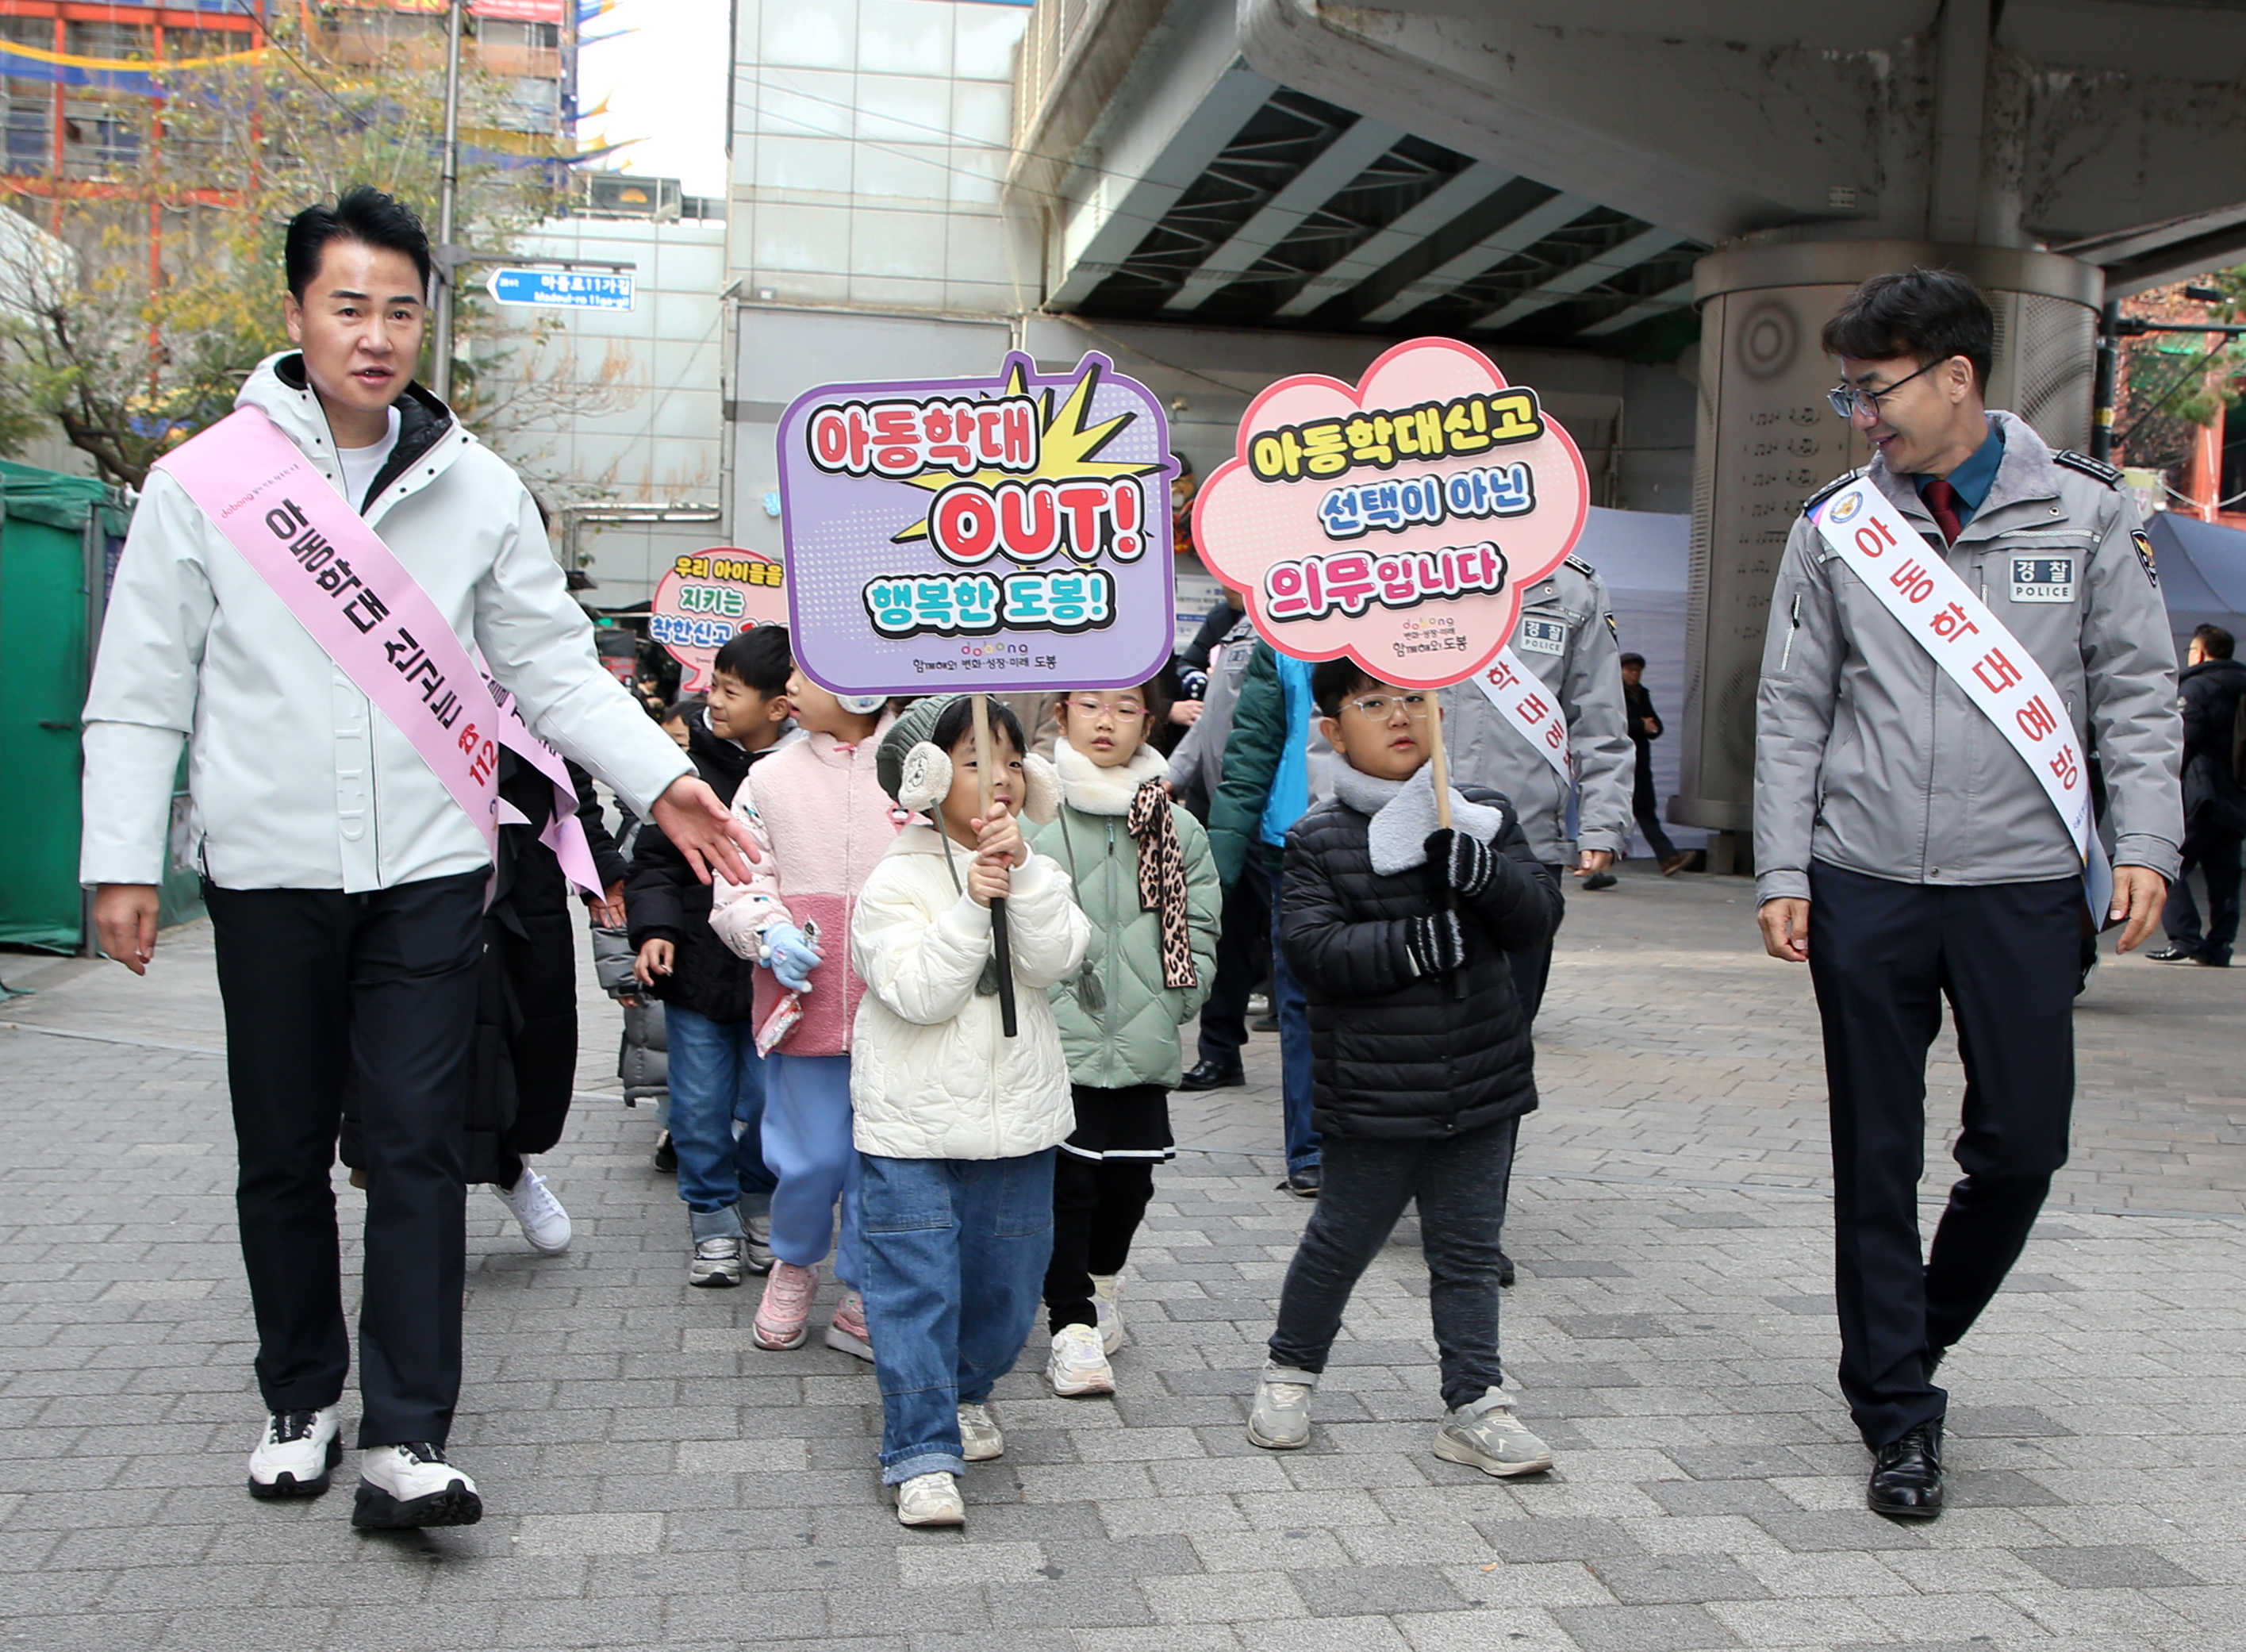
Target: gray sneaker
x=716, y=1262
x=1280, y=1419
x=720, y=1249
x=1485, y=1435
x=756, y=1247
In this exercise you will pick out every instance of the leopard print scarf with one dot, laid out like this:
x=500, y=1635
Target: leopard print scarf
x=1162, y=879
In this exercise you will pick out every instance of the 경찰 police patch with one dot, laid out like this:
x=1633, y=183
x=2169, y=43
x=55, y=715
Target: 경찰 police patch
x=2042, y=579
x=1543, y=636
x=2143, y=541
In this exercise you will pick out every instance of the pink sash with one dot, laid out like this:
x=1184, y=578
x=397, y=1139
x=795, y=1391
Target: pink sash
x=374, y=621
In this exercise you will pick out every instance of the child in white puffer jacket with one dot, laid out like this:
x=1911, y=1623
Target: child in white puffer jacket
x=956, y=1122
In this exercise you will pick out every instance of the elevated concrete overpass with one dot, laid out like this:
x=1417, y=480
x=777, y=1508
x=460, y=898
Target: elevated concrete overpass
x=1699, y=183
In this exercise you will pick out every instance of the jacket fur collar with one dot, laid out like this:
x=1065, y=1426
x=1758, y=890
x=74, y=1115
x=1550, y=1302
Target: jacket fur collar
x=1091, y=789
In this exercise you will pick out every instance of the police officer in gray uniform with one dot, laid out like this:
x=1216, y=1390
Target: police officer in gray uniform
x=1906, y=851
x=1566, y=635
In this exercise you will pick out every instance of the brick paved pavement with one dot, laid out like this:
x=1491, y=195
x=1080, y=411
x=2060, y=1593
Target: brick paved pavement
x=655, y=1481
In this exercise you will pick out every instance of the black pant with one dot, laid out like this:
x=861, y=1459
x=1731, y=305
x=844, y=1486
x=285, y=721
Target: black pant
x=1883, y=955
x=318, y=984
x=1645, y=808
x=2215, y=851
x=1102, y=1180
x=1460, y=1182
x=1243, y=956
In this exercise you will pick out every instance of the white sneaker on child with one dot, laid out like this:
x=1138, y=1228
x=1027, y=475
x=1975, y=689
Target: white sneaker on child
x=931, y=1499
x=979, y=1438
x=544, y=1221
x=1104, y=1287
x=1078, y=1365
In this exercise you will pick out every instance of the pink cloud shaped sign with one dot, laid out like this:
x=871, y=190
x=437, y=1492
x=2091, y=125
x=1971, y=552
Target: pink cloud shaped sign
x=1395, y=521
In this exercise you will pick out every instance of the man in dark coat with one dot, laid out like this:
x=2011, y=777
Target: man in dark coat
x=2214, y=805
x=1644, y=729
x=1420, y=1056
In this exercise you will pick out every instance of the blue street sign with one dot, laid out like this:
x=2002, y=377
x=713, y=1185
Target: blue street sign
x=562, y=288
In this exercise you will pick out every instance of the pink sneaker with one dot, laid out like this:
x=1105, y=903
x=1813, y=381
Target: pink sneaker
x=784, y=1316
x=848, y=1331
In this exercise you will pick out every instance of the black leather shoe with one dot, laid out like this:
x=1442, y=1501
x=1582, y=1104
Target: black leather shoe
x=1303, y=1183
x=2173, y=955
x=1208, y=1076
x=1504, y=1269
x=1907, y=1475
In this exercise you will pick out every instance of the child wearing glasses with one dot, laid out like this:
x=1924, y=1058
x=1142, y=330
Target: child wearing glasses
x=1421, y=1065
x=1145, y=877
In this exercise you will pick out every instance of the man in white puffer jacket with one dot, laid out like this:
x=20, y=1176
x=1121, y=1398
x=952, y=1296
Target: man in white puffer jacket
x=345, y=883
x=956, y=1122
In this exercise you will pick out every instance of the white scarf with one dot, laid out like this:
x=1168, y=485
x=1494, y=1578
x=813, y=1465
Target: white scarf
x=1404, y=814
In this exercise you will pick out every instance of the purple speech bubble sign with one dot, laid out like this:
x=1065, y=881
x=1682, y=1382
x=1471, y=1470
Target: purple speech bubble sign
x=1033, y=554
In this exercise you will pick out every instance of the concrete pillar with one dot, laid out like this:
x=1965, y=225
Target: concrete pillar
x=1768, y=439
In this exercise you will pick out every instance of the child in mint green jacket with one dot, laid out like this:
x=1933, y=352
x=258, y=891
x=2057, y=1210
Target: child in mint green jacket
x=1145, y=877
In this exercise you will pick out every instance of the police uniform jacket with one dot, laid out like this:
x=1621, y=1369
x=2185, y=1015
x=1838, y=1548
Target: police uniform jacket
x=296, y=781
x=1566, y=636
x=1868, y=756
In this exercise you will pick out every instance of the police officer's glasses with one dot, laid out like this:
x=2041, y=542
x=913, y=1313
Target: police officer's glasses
x=1848, y=400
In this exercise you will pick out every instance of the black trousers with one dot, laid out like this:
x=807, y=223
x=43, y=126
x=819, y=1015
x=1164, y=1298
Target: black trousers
x=2215, y=851
x=1460, y=1182
x=317, y=985
x=1243, y=956
x=1883, y=956
x=1103, y=1181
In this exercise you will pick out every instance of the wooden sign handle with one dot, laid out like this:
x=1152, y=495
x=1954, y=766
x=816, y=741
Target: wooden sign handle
x=1442, y=780
x=986, y=775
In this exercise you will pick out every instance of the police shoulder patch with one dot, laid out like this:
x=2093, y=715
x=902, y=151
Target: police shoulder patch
x=1613, y=630
x=2143, y=541
x=1828, y=490
x=2089, y=466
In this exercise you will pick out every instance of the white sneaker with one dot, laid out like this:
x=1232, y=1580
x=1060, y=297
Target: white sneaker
x=544, y=1223
x=296, y=1455
x=1104, y=1305
x=979, y=1438
x=1079, y=1364
x=413, y=1485
x=931, y=1499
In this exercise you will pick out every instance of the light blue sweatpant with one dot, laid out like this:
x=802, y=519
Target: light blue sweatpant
x=807, y=1143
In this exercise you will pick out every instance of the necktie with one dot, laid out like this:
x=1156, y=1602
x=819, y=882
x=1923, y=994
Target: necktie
x=1942, y=499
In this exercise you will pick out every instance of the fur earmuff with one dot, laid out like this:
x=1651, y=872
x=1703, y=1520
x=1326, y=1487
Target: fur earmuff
x=925, y=778
x=1040, y=790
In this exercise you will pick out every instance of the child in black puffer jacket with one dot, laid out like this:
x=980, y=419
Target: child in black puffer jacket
x=1422, y=1061
x=714, y=1072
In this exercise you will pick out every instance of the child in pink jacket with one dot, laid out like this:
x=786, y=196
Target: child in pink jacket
x=822, y=823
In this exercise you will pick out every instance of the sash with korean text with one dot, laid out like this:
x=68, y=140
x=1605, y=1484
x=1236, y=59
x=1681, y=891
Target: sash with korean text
x=1975, y=651
x=1530, y=706
x=370, y=617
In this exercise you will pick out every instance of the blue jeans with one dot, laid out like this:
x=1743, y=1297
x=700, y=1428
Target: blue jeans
x=931, y=1225
x=718, y=1112
x=1294, y=1012
x=807, y=1147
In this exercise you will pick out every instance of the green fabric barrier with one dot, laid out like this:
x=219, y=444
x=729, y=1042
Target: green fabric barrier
x=44, y=643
